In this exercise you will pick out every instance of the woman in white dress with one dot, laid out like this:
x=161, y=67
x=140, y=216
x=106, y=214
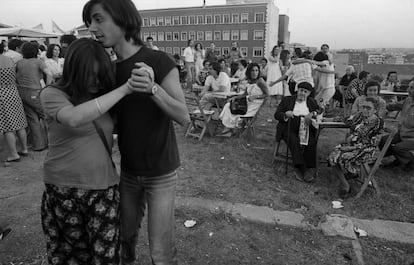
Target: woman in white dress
x=199, y=55
x=53, y=61
x=274, y=73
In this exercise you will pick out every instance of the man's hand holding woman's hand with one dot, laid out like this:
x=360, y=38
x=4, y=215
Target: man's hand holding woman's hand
x=142, y=79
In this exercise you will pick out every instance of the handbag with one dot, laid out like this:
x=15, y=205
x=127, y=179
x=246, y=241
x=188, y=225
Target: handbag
x=238, y=105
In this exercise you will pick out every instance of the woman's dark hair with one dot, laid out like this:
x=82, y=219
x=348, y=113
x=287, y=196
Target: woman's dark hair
x=264, y=59
x=243, y=62
x=273, y=50
x=30, y=50
x=124, y=14
x=42, y=47
x=374, y=101
x=1, y=48
x=221, y=60
x=249, y=72
x=198, y=43
x=14, y=44
x=205, y=61
x=298, y=52
x=49, y=53
x=363, y=74
x=324, y=45
x=87, y=68
x=216, y=67
x=284, y=56
x=371, y=83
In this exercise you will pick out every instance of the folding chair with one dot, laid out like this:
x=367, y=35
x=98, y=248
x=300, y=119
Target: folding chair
x=249, y=121
x=368, y=172
x=200, y=119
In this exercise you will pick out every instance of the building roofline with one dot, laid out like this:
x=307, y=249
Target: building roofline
x=203, y=7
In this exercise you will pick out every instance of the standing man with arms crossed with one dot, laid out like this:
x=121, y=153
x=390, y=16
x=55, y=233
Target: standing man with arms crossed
x=147, y=143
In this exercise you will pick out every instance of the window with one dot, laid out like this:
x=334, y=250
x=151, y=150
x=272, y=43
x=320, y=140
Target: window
x=145, y=22
x=192, y=20
x=209, y=19
x=200, y=19
x=160, y=21
x=154, y=36
x=161, y=49
x=183, y=35
x=259, y=17
x=244, y=17
x=226, y=51
x=152, y=21
x=168, y=36
x=226, y=18
x=217, y=51
x=258, y=35
x=226, y=34
x=200, y=35
x=244, y=34
x=168, y=50
x=176, y=20
x=234, y=35
x=184, y=21
x=257, y=52
x=209, y=35
x=217, y=19
x=235, y=18
x=191, y=35
x=176, y=50
x=168, y=21
x=243, y=51
x=176, y=36
x=217, y=35
x=145, y=35
x=161, y=36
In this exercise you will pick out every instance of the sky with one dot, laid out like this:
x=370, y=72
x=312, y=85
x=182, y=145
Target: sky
x=340, y=23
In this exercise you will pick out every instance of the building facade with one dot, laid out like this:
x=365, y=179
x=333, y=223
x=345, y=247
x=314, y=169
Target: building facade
x=253, y=25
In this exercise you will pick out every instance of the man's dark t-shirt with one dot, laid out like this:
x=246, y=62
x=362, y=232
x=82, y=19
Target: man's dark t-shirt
x=146, y=139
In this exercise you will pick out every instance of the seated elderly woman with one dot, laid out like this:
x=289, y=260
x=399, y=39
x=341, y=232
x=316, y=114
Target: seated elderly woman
x=295, y=127
x=217, y=81
x=256, y=91
x=372, y=90
x=360, y=145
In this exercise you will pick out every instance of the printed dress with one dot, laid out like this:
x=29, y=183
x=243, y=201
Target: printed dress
x=12, y=116
x=362, y=148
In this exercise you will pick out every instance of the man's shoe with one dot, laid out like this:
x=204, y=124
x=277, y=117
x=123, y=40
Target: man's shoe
x=309, y=175
x=298, y=174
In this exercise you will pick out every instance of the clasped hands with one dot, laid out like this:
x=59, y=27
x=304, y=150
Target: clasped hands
x=142, y=79
x=308, y=118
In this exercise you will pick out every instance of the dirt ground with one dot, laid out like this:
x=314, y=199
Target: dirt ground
x=235, y=170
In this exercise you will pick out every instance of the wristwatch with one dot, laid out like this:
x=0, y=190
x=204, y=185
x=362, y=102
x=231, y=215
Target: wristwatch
x=154, y=89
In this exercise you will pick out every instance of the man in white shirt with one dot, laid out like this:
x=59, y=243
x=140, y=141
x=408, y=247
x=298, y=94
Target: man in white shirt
x=14, y=51
x=189, y=63
x=217, y=81
x=150, y=43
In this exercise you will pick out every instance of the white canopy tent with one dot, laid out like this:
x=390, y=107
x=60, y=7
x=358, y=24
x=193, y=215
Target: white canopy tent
x=26, y=32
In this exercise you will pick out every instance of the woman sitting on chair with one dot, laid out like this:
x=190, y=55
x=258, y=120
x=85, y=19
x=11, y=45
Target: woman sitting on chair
x=372, y=89
x=360, y=145
x=256, y=91
x=296, y=128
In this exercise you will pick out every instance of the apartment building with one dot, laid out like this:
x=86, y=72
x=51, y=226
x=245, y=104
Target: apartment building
x=252, y=24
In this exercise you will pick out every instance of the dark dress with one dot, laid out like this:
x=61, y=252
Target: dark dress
x=12, y=117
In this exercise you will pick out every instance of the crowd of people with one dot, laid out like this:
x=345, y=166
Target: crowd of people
x=71, y=98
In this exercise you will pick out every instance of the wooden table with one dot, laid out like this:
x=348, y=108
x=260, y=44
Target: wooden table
x=327, y=125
